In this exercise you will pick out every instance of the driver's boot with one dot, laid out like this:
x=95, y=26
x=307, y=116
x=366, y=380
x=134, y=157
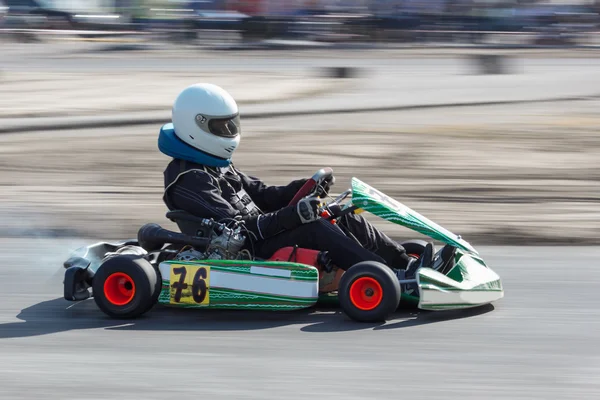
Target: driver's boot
x=424, y=261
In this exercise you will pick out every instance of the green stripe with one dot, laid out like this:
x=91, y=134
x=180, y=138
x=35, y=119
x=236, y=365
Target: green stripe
x=298, y=269
x=242, y=293
x=222, y=296
x=273, y=307
x=488, y=286
x=424, y=280
x=432, y=287
x=242, y=271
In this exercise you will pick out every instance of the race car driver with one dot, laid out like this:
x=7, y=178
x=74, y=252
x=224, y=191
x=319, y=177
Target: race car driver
x=202, y=180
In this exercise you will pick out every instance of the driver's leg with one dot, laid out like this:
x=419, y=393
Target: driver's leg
x=320, y=235
x=376, y=241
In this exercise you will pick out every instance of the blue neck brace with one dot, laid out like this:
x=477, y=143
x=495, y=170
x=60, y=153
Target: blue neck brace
x=172, y=146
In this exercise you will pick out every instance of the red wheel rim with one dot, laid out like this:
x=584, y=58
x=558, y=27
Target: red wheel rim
x=366, y=293
x=119, y=289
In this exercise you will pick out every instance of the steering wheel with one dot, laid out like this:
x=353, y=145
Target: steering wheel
x=313, y=185
x=332, y=209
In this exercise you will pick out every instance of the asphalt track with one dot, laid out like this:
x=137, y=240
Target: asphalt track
x=539, y=342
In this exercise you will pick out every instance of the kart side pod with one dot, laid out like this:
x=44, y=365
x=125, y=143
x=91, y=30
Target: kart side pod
x=250, y=285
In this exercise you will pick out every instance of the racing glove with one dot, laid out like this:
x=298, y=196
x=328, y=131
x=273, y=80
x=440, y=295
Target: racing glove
x=308, y=209
x=267, y=225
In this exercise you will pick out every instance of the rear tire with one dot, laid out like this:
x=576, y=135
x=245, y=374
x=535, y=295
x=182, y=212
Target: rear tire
x=369, y=291
x=125, y=286
x=157, y=290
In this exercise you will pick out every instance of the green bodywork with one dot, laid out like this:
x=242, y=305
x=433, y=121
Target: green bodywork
x=383, y=206
x=251, y=285
x=469, y=283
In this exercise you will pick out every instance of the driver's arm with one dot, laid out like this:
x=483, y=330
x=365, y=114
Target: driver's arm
x=196, y=193
x=270, y=198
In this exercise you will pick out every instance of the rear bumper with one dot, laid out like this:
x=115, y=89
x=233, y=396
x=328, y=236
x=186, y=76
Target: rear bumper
x=78, y=279
x=81, y=267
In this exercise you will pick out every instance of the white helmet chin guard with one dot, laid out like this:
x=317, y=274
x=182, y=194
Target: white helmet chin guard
x=207, y=118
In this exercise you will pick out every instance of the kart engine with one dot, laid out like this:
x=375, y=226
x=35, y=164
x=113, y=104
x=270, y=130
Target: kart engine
x=225, y=243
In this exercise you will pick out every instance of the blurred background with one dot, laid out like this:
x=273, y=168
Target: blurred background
x=406, y=21
x=481, y=115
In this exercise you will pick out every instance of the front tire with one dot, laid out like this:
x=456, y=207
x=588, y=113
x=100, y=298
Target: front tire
x=414, y=248
x=125, y=286
x=369, y=291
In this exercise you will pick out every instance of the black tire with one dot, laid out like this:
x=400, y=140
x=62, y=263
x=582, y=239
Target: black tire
x=371, y=271
x=415, y=246
x=157, y=290
x=137, y=277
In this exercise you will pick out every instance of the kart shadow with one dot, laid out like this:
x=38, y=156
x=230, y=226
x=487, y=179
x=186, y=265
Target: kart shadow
x=59, y=315
x=402, y=318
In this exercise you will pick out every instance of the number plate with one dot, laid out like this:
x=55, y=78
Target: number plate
x=189, y=284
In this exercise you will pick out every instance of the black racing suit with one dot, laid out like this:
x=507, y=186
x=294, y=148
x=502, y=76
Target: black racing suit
x=222, y=193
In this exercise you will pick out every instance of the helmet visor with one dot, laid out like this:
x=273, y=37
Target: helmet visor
x=225, y=127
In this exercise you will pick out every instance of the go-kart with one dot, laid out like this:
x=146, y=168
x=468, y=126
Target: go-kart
x=209, y=265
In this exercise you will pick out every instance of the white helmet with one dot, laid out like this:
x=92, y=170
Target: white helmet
x=207, y=118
